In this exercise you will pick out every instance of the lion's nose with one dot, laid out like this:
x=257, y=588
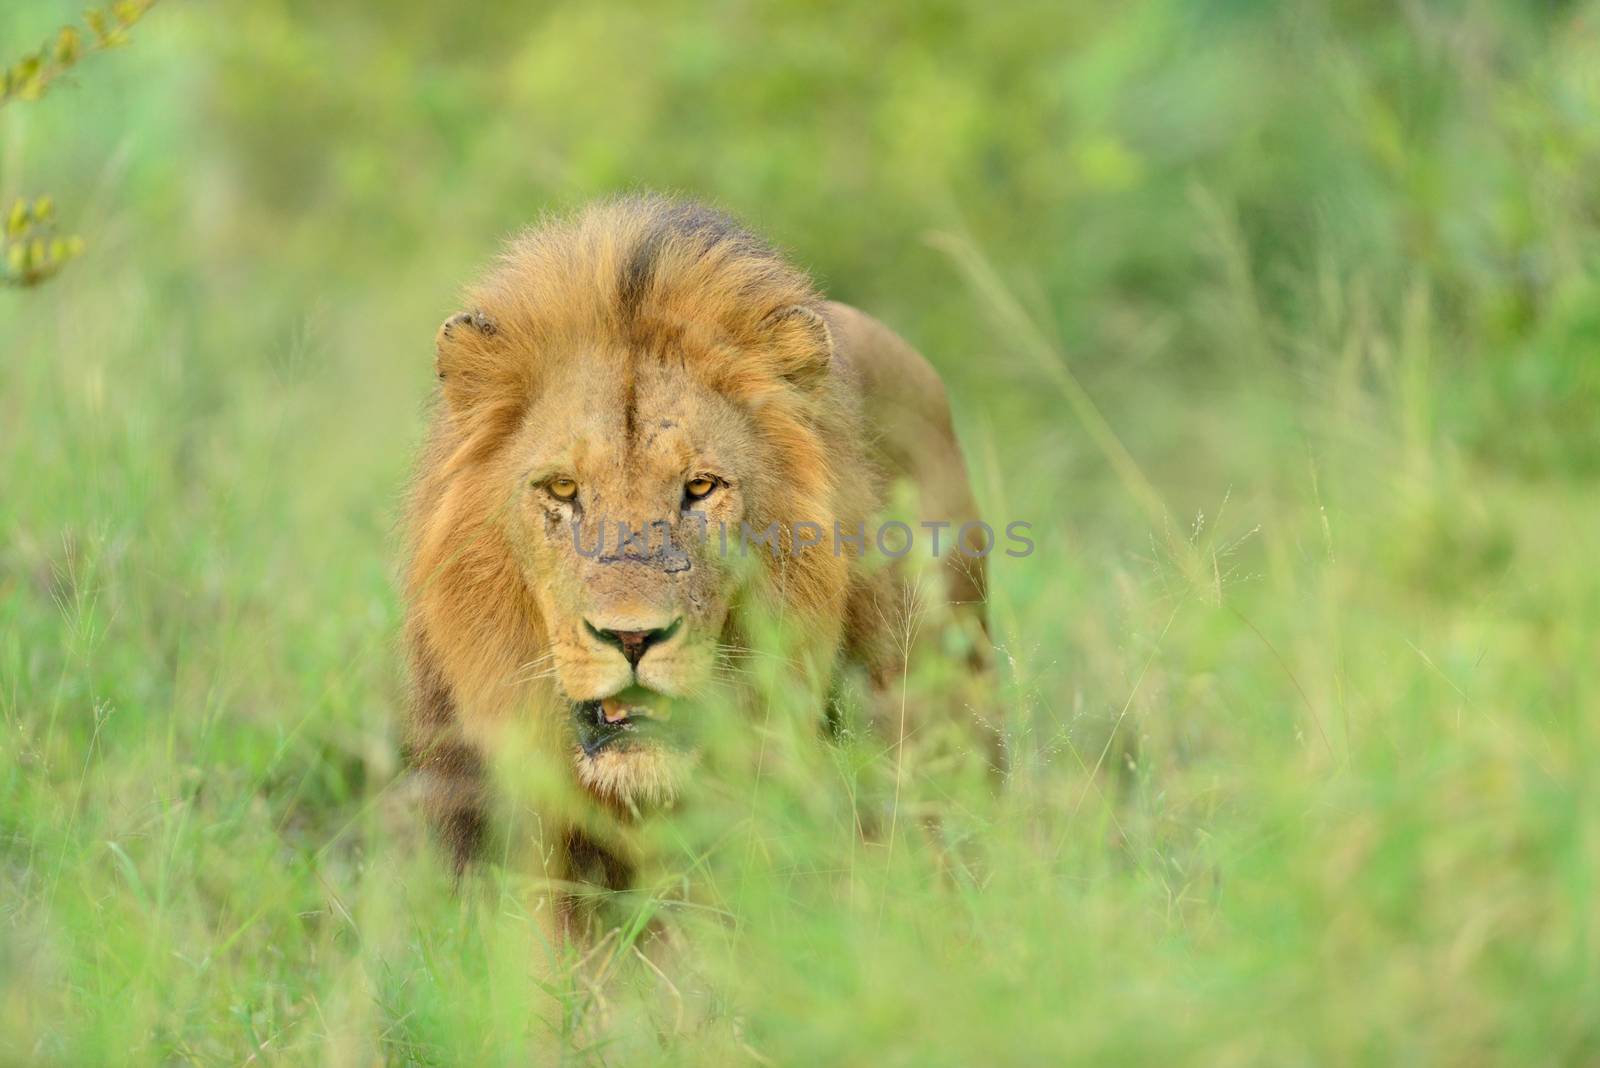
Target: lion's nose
x=633, y=643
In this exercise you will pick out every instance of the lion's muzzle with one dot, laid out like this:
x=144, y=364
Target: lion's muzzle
x=633, y=644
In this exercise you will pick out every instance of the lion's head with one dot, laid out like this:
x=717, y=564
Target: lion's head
x=634, y=395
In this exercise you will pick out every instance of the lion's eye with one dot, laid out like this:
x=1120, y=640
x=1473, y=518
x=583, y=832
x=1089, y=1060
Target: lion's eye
x=698, y=489
x=562, y=489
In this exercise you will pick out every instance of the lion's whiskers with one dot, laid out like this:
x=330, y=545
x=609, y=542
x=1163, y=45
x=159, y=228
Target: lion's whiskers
x=535, y=670
x=736, y=652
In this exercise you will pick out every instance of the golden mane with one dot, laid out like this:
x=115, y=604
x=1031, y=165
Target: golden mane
x=645, y=270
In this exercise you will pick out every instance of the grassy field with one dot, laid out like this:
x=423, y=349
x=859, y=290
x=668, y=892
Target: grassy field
x=1280, y=322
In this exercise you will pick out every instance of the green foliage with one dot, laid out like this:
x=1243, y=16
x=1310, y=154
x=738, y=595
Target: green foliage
x=30, y=250
x=1306, y=778
x=30, y=76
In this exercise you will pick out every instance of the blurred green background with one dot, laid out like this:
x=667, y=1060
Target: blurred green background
x=1279, y=321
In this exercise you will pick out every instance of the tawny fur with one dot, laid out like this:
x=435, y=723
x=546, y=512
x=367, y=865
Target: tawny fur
x=619, y=309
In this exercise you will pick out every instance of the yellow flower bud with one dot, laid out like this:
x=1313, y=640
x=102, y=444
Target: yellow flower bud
x=69, y=46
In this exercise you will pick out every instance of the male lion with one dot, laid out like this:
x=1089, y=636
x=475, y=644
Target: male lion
x=649, y=363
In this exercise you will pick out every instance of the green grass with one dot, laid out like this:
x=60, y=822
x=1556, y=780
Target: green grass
x=1279, y=322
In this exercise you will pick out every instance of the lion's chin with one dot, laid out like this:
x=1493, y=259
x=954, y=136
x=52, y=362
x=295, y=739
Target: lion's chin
x=636, y=777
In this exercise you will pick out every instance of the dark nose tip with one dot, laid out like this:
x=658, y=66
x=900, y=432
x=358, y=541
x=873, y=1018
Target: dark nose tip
x=634, y=643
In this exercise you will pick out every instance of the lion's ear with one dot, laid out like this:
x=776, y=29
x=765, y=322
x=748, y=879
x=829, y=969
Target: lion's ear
x=470, y=361
x=801, y=344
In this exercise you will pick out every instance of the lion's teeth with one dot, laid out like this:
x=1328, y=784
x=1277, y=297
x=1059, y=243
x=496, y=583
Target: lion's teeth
x=613, y=711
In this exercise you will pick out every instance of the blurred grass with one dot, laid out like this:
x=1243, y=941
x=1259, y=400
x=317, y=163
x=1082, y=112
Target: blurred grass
x=1304, y=733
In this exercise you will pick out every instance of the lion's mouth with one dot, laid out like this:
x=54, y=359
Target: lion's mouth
x=631, y=718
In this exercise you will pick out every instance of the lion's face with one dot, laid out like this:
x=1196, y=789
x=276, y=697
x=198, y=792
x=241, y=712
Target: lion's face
x=621, y=487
